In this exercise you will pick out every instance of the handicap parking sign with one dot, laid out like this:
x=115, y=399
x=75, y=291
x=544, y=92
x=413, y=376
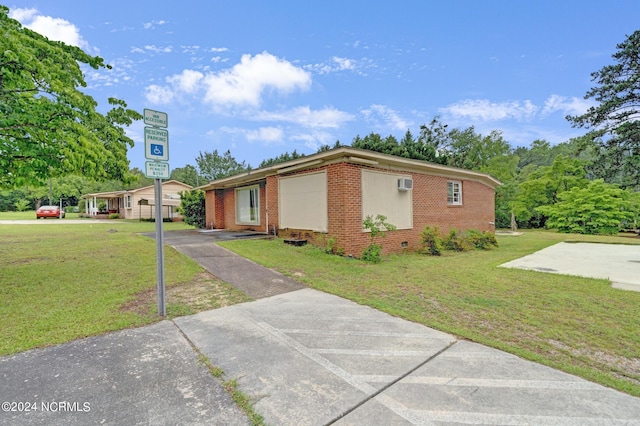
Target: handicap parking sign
x=156, y=143
x=157, y=149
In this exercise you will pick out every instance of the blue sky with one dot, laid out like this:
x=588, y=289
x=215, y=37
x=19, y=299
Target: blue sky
x=263, y=77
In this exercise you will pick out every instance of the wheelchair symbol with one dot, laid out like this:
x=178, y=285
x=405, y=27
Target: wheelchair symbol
x=157, y=150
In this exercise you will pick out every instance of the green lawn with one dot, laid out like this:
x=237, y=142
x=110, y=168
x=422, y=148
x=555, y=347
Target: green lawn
x=579, y=325
x=62, y=282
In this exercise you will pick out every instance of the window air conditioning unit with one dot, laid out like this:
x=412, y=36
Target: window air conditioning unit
x=405, y=184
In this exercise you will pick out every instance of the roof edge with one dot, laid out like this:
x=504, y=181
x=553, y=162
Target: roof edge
x=351, y=155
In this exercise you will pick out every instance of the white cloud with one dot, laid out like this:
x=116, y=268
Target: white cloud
x=324, y=118
x=23, y=15
x=336, y=64
x=159, y=95
x=389, y=117
x=568, y=106
x=242, y=85
x=262, y=134
x=57, y=29
x=156, y=49
x=265, y=134
x=153, y=24
x=483, y=109
x=315, y=139
x=188, y=81
x=245, y=82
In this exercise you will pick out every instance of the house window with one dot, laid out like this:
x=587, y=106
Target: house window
x=248, y=206
x=454, y=192
x=127, y=201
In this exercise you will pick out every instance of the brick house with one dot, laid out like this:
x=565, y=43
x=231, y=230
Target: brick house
x=328, y=194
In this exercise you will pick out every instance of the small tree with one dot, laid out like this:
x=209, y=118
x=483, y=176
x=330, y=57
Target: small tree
x=192, y=208
x=600, y=208
x=21, y=205
x=377, y=228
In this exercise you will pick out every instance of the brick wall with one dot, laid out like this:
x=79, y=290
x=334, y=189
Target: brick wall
x=271, y=191
x=214, y=209
x=429, y=208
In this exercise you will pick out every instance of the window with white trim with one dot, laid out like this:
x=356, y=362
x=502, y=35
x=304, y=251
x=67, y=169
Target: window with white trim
x=454, y=192
x=248, y=205
x=127, y=201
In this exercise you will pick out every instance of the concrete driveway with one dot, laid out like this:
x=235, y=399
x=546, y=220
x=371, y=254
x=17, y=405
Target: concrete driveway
x=615, y=262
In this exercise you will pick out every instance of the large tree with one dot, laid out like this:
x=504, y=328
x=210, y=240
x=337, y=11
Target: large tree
x=614, y=121
x=214, y=166
x=48, y=127
x=542, y=186
x=187, y=174
x=598, y=208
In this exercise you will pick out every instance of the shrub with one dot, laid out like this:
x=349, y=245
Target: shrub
x=22, y=205
x=192, y=208
x=114, y=216
x=430, y=241
x=490, y=238
x=456, y=242
x=481, y=240
x=332, y=248
x=372, y=253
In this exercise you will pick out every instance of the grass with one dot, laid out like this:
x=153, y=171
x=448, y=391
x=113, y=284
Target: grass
x=59, y=283
x=580, y=325
x=231, y=387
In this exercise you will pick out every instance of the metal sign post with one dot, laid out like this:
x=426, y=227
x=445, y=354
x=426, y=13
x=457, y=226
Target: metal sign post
x=162, y=310
x=156, y=141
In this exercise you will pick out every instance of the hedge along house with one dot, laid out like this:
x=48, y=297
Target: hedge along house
x=329, y=194
x=137, y=203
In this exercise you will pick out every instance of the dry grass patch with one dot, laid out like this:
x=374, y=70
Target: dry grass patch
x=202, y=293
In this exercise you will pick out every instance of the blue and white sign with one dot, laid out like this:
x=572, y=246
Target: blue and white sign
x=156, y=144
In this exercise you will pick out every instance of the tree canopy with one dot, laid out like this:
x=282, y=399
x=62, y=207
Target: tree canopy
x=614, y=121
x=48, y=127
x=598, y=208
x=214, y=166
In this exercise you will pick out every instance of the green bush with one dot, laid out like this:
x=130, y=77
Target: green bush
x=22, y=205
x=192, y=208
x=372, y=253
x=430, y=241
x=114, y=216
x=332, y=248
x=481, y=240
x=456, y=242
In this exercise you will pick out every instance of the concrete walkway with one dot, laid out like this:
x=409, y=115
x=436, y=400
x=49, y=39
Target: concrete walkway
x=305, y=358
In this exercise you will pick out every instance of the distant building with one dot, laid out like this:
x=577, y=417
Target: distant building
x=137, y=203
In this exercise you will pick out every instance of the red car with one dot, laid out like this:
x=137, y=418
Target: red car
x=49, y=211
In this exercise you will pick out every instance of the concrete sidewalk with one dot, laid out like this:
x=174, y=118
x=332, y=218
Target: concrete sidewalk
x=310, y=358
